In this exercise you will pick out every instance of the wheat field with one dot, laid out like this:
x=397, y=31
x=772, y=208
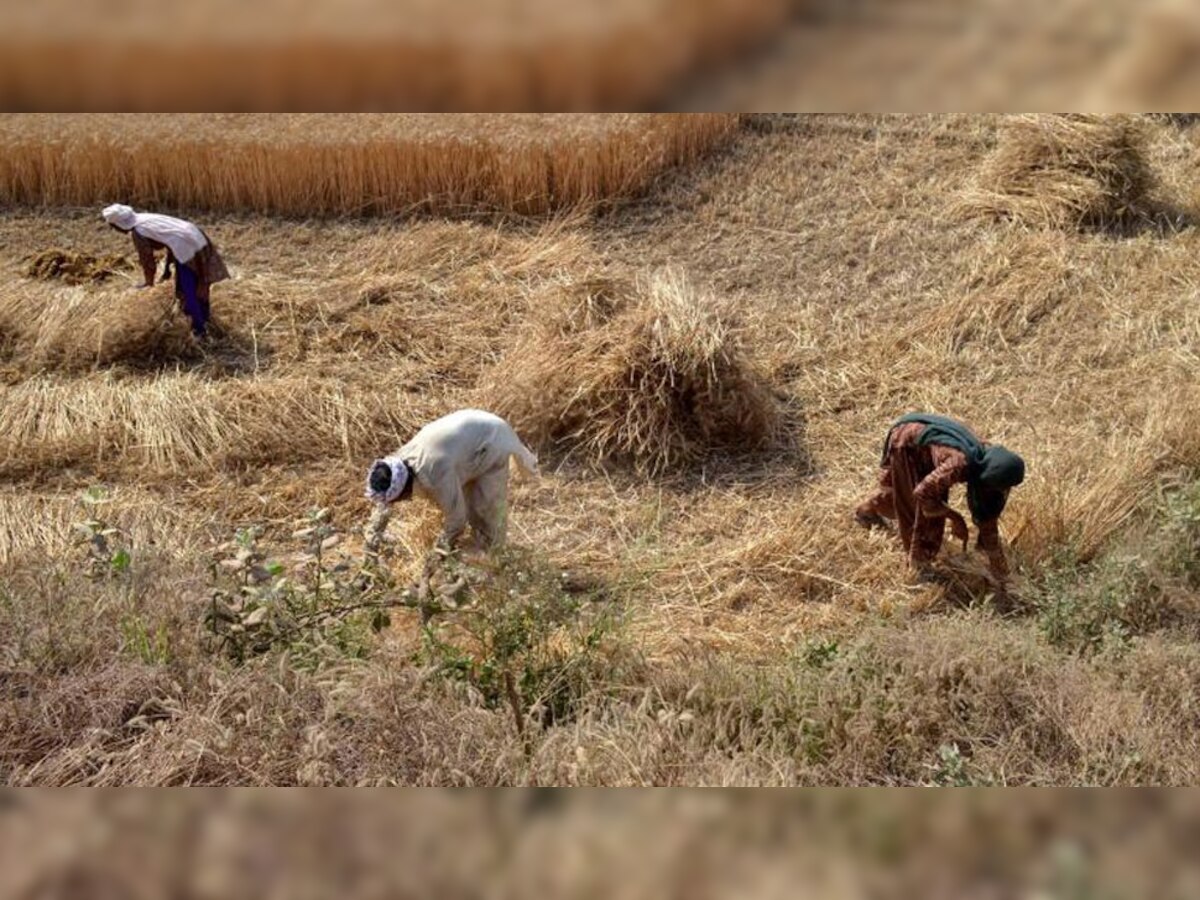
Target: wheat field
x=742, y=335
x=313, y=164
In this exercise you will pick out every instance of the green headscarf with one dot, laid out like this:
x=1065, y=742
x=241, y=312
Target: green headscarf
x=991, y=470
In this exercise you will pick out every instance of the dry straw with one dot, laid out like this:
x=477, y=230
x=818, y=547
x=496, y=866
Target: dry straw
x=1064, y=171
x=186, y=426
x=44, y=326
x=39, y=525
x=652, y=372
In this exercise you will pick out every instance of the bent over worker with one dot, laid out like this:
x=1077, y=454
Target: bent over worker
x=925, y=455
x=197, y=263
x=459, y=461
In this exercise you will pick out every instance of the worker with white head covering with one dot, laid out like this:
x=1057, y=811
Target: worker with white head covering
x=459, y=461
x=198, y=265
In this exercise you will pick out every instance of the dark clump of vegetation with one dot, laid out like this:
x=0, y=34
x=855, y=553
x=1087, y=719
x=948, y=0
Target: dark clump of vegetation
x=73, y=267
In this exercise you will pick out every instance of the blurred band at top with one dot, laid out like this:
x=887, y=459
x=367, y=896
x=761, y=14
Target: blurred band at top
x=599, y=55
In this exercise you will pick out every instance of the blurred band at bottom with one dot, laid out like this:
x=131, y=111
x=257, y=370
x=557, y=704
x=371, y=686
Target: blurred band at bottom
x=1019, y=843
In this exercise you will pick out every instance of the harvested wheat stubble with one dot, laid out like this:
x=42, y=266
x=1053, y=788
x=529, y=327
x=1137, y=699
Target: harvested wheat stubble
x=1064, y=171
x=332, y=165
x=1008, y=293
x=653, y=373
x=1098, y=490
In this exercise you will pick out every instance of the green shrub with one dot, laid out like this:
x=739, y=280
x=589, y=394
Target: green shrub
x=522, y=636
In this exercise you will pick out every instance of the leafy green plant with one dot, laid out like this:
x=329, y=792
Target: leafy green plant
x=515, y=632
x=316, y=608
x=817, y=653
x=152, y=647
x=107, y=555
x=1179, y=536
x=1126, y=592
x=954, y=769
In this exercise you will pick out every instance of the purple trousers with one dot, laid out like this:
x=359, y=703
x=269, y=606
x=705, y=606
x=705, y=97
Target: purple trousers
x=187, y=288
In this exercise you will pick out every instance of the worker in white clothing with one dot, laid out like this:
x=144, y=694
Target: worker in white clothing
x=198, y=264
x=459, y=461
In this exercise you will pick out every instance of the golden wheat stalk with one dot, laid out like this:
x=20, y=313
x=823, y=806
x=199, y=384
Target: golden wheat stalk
x=301, y=165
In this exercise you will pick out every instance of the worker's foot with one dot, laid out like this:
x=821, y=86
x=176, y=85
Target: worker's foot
x=870, y=521
x=924, y=573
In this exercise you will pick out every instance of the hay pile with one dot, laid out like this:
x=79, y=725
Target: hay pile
x=73, y=328
x=74, y=268
x=652, y=374
x=1064, y=171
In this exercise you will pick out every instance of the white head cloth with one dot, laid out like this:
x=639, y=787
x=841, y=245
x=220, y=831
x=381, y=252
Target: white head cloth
x=396, y=488
x=120, y=215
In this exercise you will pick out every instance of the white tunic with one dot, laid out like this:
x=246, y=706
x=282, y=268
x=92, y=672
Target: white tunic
x=461, y=463
x=184, y=238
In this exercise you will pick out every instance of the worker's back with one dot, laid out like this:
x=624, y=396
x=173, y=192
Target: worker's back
x=466, y=443
x=184, y=238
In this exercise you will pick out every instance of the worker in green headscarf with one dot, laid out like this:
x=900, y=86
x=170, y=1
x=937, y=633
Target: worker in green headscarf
x=925, y=455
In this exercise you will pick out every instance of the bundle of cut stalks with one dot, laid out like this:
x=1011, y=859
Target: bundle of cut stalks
x=76, y=328
x=186, y=423
x=1064, y=171
x=652, y=374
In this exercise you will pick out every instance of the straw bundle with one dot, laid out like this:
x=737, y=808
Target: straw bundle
x=72, y=328
x=652, y=373
x=1064, y=172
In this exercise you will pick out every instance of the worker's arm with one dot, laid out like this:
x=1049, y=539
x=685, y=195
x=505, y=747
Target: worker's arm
x=145, y=254
x=935, y=486
x=380, y=516
x=989, y=543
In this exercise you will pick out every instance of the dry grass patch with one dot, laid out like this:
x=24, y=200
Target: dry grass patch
x=1068, y=171
x=1104, y=484
x=1005, y=295
x=38, y=526
x=653, y=373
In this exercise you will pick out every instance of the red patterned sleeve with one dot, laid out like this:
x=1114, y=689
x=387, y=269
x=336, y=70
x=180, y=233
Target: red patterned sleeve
x=145, y=252
x=951, y=470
